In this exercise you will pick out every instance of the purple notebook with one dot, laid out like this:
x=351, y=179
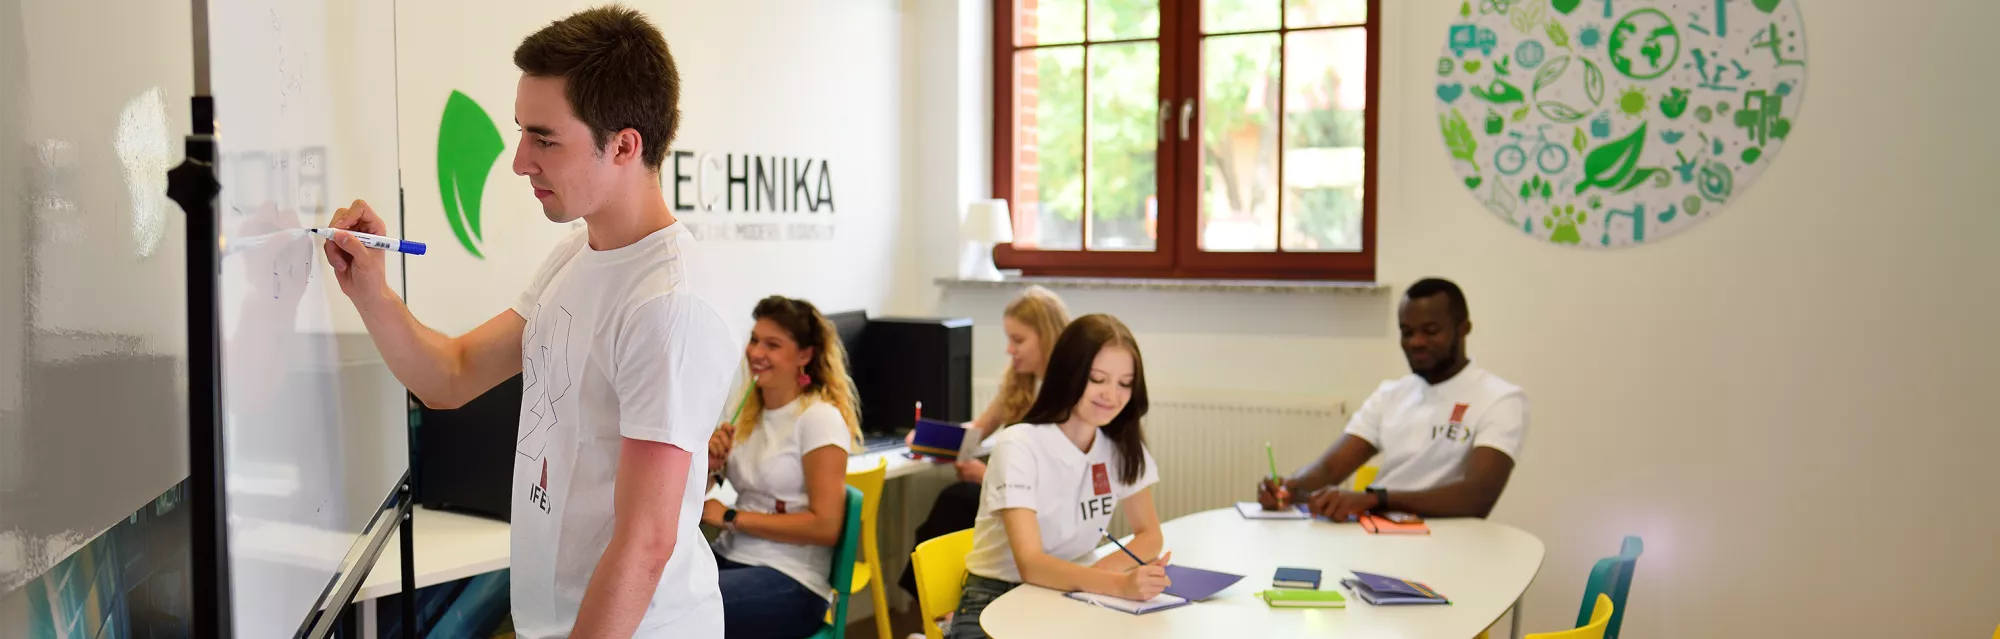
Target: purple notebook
x=1383, y=590
x=1195, y=584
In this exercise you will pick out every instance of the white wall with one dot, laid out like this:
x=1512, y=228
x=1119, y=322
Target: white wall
x=768, y=77
x=1782, y=401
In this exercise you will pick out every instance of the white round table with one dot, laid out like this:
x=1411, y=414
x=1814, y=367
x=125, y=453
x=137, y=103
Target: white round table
x=1483, y=567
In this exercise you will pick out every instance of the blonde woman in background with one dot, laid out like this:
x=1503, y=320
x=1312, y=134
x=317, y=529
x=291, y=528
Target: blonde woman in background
x=786, y=455
x=1032, y=322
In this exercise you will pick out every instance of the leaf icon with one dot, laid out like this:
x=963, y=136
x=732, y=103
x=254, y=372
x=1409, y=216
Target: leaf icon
x=468, y=145
x=1550, y=72
x=1593, y=83
x=1560, y=112
x=1557, y=34
x=1580, y=140
x=1458, y=137
x=1614, y=166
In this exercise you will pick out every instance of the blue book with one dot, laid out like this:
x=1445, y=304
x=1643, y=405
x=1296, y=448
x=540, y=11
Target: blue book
x=941, y=440
x=1303, y=578
x=1382, y=590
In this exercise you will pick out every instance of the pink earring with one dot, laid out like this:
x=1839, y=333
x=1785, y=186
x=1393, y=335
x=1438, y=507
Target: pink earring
x=804, y=379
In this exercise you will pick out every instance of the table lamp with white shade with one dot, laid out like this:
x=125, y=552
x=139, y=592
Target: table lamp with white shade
x=986, y=224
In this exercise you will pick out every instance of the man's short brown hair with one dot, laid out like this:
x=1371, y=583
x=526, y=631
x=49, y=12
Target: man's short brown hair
x=619, y=75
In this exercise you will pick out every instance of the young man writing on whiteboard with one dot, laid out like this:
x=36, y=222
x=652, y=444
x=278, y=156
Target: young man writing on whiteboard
x=1448, y=433
x=624, y=368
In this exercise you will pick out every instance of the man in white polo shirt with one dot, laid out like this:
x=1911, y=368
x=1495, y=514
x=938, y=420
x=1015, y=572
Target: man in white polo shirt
x=1447, y=434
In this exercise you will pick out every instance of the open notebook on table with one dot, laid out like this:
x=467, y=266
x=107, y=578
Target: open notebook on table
x=1253, y=510
x=1190, y=584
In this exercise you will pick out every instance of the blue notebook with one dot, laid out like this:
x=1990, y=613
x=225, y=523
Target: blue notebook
x=1301, y=578
x=1383, y=590
x=937, y=439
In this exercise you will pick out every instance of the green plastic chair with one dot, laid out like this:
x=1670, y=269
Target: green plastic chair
x=843, y=568
x=1612, y=577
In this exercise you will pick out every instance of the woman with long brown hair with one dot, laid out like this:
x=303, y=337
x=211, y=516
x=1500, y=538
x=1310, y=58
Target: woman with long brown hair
x=1058, y=477
x=786, y=455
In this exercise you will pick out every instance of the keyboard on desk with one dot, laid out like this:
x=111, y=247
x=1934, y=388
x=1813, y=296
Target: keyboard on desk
x=879, y=443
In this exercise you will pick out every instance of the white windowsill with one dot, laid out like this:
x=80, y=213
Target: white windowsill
x=1179, y=285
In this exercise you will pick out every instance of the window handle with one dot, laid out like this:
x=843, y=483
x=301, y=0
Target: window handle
x=1166, y=113
x=1187, y=113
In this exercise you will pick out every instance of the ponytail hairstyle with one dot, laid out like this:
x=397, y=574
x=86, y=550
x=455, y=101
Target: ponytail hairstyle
x=1041, y=311
x=1069, y=377
x=828, y=367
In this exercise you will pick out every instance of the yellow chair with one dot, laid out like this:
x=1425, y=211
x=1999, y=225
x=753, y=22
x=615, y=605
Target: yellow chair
x=940, y=568
x=868, y=568
x=1600, y=618
x=1364, y=476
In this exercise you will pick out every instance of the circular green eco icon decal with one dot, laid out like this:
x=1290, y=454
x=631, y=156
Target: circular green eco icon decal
x=1616, y=122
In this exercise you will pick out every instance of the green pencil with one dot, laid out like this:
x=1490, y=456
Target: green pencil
x=749, y=388
x=1273, y=458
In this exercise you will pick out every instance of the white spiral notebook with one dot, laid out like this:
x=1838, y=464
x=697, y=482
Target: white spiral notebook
x=1161, y=602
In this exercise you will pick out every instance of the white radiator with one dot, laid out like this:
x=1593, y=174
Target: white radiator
x=1210, y=445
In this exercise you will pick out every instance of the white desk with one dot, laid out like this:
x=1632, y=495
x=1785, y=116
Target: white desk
x=449, y=547
x=1482, y=566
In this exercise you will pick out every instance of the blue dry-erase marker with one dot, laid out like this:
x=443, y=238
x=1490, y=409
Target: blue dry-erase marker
x=377, y=242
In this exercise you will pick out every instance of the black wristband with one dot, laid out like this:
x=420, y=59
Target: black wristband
x=728, y=516
x=1381, y=498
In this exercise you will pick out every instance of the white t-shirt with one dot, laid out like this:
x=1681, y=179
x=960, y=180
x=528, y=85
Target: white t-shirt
x=616, y=347
x=1072, y=492
x=1425, y=434
x=769, y=473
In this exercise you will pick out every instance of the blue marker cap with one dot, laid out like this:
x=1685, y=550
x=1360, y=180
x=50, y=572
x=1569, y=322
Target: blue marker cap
x=409, y=247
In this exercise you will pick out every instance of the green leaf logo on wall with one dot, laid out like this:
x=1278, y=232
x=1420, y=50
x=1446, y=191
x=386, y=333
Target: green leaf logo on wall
x=1598, y=153
x=468, y=145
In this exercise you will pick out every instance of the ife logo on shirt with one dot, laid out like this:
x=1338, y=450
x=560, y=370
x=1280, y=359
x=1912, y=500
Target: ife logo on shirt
x=1456, y=430
x=1100, y=503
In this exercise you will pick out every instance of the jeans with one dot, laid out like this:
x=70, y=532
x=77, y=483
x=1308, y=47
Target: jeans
x=979, y=592
x=760, y=602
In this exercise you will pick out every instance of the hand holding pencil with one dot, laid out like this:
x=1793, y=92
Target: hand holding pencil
x=1271, y=492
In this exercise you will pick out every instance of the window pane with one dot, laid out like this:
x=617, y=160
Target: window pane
x=1124, y=131
x=1319, y=13
x=1239, y=143
x=1124, y=19
x=1048, y=153
x=1223, y=16
x=1326, y=97
x=1048, y=22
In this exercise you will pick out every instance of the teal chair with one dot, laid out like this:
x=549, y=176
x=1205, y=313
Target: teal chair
x=843, y=568
x=1612, y=576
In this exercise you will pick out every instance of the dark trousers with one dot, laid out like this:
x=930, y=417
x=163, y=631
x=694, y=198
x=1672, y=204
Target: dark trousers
x=953, y=511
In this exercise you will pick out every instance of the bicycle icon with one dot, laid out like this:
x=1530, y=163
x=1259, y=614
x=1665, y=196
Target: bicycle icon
x=1550, y=157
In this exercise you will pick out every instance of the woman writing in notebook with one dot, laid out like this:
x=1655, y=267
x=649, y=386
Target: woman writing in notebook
x=786, y=456
x=1057, y=478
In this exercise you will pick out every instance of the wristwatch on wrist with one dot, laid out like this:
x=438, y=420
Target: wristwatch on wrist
x=729, y=517
x=1381, y=498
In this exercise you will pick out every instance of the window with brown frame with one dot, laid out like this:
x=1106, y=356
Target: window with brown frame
x=1187, y=138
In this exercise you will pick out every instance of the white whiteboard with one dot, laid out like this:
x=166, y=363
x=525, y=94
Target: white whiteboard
x=314, y=427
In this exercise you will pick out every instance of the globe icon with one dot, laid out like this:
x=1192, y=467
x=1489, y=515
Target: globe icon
x=1644, y=45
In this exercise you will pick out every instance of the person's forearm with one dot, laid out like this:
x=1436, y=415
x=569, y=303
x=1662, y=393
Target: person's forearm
x=1457, y=499
x=1146, y=544
x=1340, y=461
x=806, y=528
x=424, y=360
x=621, y=588
x=1055, y=573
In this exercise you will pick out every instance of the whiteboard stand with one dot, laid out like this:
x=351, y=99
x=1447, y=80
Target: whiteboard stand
x=194, y=186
